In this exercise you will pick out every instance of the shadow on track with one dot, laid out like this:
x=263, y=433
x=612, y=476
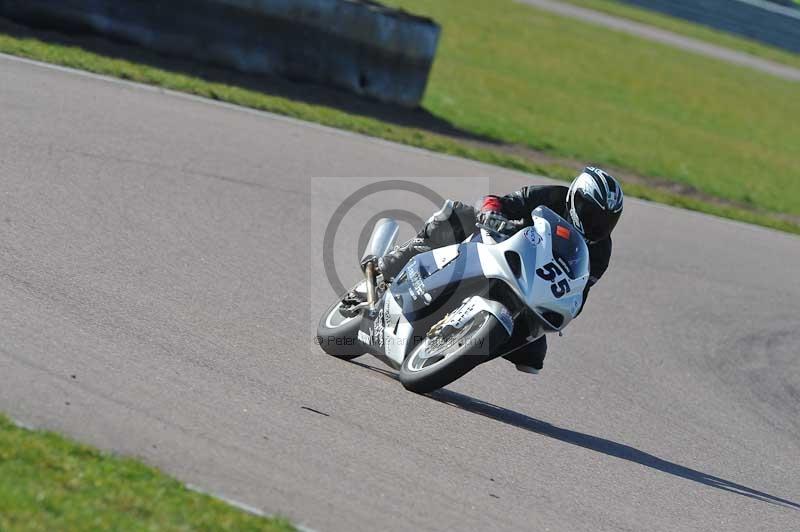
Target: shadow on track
x=600, y=445
x=593, y=443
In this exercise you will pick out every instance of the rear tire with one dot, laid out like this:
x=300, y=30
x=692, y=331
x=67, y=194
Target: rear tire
x=429, y=367
x=337, y=334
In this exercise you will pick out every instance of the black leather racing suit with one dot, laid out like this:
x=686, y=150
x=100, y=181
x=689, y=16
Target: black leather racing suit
x=446, y=228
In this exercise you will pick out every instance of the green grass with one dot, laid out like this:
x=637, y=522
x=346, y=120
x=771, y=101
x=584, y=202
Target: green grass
x=50, y=483
x=682, y=27
x=523, y=76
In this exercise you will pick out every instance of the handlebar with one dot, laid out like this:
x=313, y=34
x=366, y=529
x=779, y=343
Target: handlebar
x=509, y=228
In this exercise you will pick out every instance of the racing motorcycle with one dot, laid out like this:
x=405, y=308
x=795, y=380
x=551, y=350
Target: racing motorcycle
x=456, y=307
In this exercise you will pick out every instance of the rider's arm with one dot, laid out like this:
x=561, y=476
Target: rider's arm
x=520, y=203
x=599, y=257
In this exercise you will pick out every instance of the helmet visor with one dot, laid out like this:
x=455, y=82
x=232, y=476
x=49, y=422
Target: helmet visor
x=597, y=222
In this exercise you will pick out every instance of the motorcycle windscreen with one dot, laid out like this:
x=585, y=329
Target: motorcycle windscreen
x=569, y=247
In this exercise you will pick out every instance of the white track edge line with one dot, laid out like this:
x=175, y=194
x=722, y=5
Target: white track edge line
x=192, y=487
x=243, y=506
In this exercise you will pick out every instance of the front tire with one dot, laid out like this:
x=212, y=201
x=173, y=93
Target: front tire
x=452, y=353
x=337, y=334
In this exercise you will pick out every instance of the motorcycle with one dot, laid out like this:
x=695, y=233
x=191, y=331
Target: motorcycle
x=456, y=307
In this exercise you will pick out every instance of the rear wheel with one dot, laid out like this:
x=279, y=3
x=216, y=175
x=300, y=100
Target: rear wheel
x=451, y=353
x=337, y=332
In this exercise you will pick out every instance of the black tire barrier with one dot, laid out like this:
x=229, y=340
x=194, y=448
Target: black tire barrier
x=356, y=45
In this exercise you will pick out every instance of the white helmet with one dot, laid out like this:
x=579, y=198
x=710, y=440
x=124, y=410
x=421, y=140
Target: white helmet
x=594, y=203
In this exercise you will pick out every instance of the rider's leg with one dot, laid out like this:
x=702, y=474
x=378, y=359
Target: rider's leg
x=391, y=263
x=529, y=357
x=449, y=225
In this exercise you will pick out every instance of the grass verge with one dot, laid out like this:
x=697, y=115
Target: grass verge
x=473, y=107
x=528, y=77
x=50, y=483
x=696, y=31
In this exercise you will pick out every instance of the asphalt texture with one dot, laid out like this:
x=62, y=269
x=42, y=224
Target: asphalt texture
x=160, y=285
x=669, y=38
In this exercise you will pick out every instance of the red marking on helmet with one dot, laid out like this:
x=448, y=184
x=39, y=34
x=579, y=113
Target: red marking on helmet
x=562, y=231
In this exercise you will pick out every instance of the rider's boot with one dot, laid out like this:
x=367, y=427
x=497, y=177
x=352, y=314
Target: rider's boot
x=529, y=357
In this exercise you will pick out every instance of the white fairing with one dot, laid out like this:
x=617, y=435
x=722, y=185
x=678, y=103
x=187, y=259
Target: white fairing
x=544, y=287
x=444, y=255
x=397, y=342
x=535, y=248
x=398, y=332
x=476, y=304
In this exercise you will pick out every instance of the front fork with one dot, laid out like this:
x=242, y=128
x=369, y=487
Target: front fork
x=372, y=296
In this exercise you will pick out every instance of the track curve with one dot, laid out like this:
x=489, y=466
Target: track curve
x=150, y=305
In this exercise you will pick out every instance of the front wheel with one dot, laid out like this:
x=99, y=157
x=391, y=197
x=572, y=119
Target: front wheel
x=337, y=333
x=451, y=353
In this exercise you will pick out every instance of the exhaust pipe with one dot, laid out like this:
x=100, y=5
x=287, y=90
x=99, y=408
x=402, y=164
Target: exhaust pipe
x=384, y=236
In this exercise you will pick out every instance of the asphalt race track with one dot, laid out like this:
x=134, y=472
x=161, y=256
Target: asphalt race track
x=159, y=289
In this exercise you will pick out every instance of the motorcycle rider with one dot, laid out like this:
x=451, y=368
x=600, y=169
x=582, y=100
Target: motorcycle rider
x=593, y=203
